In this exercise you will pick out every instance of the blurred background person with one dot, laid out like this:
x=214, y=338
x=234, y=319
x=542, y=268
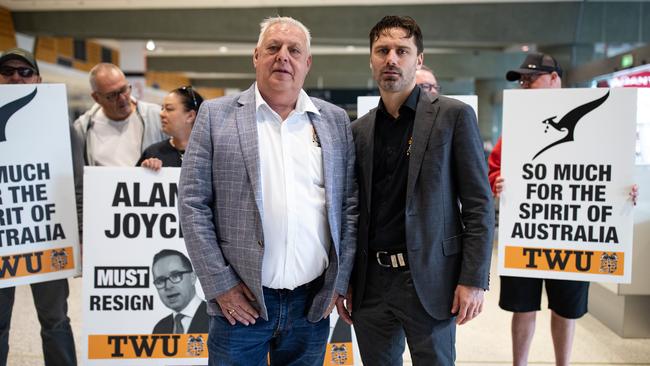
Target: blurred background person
x=177, y=116
x=427, y=81
x=117, y=128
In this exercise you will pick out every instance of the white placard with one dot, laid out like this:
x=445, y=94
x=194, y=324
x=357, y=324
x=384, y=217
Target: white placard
x=39, y=238
x=365, y=103
x=567, y=161
x=130, y=215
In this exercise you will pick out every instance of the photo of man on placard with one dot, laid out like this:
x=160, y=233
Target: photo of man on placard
x=174, y=278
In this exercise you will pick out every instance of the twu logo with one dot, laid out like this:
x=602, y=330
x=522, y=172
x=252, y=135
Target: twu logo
x=8, y=110
x=569, y=122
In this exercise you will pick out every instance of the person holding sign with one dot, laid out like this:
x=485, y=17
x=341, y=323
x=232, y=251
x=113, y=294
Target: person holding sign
x=522, y=296
x=426, y=213
x=177, y=116
x=174, y=278
x=116, y=119
x=18, y=66
x=268, y=209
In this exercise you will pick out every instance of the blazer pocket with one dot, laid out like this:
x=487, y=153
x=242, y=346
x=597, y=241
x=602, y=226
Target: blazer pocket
x=451, y=246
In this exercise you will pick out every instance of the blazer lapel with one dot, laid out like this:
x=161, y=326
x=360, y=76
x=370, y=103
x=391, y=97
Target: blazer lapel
x=425, y=115
x=248, y=141
x=328, y=153
x=366, y=151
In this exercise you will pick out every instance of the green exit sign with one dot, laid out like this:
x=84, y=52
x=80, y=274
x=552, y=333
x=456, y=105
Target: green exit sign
x=627, y=61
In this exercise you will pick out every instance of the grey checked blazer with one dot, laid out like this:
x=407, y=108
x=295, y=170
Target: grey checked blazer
x=449, y=209
x=221, y=199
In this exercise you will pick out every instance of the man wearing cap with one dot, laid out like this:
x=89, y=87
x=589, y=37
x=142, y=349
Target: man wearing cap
x=522, y=296
x=18, y=66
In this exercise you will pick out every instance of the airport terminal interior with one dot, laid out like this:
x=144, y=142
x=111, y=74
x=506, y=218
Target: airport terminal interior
x=470, y=45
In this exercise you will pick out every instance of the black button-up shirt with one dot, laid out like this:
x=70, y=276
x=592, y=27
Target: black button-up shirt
x=393, y=138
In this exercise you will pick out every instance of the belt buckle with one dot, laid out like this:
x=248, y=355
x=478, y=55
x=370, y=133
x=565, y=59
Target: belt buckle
x=378, y=254
x=395, y=260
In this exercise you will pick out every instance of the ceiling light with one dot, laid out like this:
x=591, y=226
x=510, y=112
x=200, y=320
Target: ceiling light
x=150, y=45
x=525, y=48
x=223, y=49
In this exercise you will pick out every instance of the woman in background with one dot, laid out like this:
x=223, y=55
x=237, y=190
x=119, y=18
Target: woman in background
x=177, y=116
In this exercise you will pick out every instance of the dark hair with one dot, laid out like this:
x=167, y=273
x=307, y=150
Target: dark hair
x=394, y=21
x=168, y=253
x=190, y=97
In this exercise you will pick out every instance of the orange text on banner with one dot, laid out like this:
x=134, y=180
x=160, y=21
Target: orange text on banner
x=565, y=260
x=129, y=346
x=33, y=263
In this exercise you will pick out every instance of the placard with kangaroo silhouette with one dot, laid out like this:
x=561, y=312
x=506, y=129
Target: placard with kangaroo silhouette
x=568, y=164
x=39, y=238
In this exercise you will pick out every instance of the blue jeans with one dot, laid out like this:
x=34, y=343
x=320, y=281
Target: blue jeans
x=288, y=338
x=51, y=302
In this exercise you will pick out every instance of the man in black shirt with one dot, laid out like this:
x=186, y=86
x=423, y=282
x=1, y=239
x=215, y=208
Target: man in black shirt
x=426, y=212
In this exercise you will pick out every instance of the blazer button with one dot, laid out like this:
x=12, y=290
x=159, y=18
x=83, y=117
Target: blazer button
x=260, y=243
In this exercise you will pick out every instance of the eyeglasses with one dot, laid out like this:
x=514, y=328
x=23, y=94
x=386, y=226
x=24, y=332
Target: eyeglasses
x=113, y=96
x=23, y=72
x=174, y=277
x=429, y=87
x=530, y=78
x=188, y=89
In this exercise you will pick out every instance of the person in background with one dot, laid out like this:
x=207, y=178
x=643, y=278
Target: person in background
x=117, y=128
x=18, y=66
x=567, y=299
x=427, y=81
x=177, y=116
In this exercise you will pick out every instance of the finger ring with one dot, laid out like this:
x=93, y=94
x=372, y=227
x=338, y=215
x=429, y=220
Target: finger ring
x=231, y=311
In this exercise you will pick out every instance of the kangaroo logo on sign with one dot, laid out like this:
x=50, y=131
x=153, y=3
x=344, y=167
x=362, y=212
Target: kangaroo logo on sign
x=569, y=122
x=8, y=110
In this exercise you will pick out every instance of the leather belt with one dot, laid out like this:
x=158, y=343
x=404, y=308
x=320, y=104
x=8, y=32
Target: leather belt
x=392, y=259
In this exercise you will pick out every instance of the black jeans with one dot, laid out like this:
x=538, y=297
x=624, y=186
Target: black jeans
x=51, y=302
x=390, y=312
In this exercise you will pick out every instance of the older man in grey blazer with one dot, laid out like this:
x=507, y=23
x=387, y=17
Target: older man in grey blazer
x=268, y=209
x=426, y=213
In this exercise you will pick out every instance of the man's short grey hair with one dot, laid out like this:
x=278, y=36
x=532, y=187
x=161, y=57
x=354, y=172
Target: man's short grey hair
x=268, y=22
x=102, y=68
x=425, y=68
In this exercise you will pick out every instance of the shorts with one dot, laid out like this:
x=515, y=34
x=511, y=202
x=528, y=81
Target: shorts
x=566, y=298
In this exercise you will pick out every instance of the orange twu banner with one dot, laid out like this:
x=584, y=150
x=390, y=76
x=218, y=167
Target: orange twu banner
x=33, y=263
x=128, y=346
x=565, y=260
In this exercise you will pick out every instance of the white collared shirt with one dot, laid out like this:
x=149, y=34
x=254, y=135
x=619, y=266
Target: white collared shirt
x=115, y=143
x=189, y=312
x=296, y=230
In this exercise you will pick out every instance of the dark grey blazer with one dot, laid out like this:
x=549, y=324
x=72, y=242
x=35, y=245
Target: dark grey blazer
x=449, y=208
x=221, y=199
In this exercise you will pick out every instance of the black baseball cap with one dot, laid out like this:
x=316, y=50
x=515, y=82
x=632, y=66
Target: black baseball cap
x=19, y=54
x=534, y=63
